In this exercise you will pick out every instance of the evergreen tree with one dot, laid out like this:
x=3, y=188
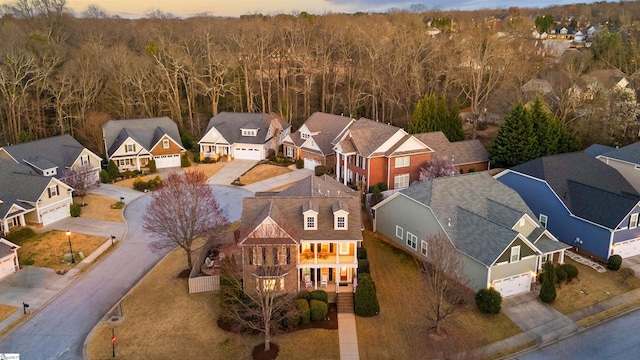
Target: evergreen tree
x=516, y=142
x=549, y=280
x=541, y=121
x=433, y=114
x=112, y=170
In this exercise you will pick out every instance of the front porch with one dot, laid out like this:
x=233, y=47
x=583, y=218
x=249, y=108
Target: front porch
x=333, y=280
x=132, y=163
x=214, y=151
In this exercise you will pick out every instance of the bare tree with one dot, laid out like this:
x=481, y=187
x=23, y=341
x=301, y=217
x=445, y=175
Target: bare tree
x=81, y=178
x=183, y=210
x=445, y=280
x=438, y=167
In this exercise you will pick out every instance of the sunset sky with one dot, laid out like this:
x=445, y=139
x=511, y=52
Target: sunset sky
x=185, y=8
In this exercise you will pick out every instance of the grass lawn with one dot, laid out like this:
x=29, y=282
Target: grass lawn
x=128, y=183
x=401, y=330
x=48, y=249
x=98, y=207
x=6, y=311
x=590, y=288
x=184, y=327
x=207, y=169
x=262, y=172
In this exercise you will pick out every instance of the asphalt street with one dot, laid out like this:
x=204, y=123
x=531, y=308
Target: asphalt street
x=59, y=329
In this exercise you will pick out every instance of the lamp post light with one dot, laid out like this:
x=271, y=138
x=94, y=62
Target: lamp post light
x=113, y=237
x=73, y=260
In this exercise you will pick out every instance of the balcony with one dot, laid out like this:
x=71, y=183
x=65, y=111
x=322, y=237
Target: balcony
x=308, y=257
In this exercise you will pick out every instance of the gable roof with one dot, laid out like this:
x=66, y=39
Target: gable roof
x=597, y=149
x=323, y=194
x=588, y=187
x=629, y=153
x=459, y=152
x=329, y=127
x=476, y=211
x=19, y=183
x=146, y=132
x=57, y=151
x=368, y=135
x=7, y=247
x=229, y=124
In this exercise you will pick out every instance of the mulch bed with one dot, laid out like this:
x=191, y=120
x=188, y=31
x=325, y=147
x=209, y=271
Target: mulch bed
x=259, y=353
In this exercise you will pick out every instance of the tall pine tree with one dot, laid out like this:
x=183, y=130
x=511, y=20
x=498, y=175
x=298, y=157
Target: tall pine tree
x=516, y=142
x=433, y=114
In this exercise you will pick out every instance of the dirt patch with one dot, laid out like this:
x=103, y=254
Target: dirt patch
x=98, y=207
x=262, y=172
x=259, y=353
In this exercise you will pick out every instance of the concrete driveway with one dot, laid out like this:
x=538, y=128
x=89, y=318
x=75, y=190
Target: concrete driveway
x=633, y=263
x=231, y=171
x=89, y=227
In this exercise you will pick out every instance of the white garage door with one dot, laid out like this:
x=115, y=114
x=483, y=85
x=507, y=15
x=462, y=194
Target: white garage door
x=247, y=153
x=165, y=161
x=6, y=266
x=310, y=164
x=513, y=285
x=627, y=248
x=54, y=214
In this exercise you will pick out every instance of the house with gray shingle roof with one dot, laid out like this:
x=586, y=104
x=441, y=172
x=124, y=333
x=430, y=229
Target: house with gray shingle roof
x=27, y=197
x=53, y=155
x=466, y=155
x=8, y=258
x=371, y=152
x=131, y=144
x=502, y=244
x=625, y=159
x=247, y=136
x=304, y=237
x=582, y=201
x=314, y=140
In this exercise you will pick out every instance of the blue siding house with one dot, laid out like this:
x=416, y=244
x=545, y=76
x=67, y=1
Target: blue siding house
x=582, y=201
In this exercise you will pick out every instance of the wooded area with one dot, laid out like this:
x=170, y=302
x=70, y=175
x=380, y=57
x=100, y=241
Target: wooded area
x=65, y=74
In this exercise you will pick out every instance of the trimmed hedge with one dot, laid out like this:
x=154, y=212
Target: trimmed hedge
x=304, y=294
x=75, y=210
x=489, y=301
x=18, y=235
x=549, y=280
x=299, y=164
x=571, y=270
x=319, y=295
x=320, y=170
x=152, y=166
x=104, y=177
x=304, y=310
x=363, y=266
x=561, y=275
x=614, y=262
x=362, y=253
x=366, y=299
x=319, y=309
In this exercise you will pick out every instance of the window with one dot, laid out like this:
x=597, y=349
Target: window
x=423, y=248
x=633, y=221
x=256, y=256
x=304, y=135
x=401, y=181
x=358, y=160
x=53, y=191
x=340, y=223
x=364, y=163
x=284, y=256
x=84, y=159
x=402, y=161
x=130, y=147
x=248, y=132
x=399, y=232
x=165, y=144
x=515, y=254
x=310, y=223
x=289, y=151
x=344, y=248
x=543, y=220
x=269, y=284
x=412, y=241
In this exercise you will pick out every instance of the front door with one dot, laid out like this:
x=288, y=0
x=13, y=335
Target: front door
x=344, y=275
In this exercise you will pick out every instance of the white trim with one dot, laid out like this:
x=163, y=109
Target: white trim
x=545, y=222
x=515, y=249
x=401, y=236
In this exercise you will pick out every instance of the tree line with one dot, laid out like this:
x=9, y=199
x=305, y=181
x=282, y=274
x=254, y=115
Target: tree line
x=65, y=74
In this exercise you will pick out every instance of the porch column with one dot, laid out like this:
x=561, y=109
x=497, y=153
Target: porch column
x=299, y=278
x=5, y=226
x=344, y=175
x=561, y=258
x=336, y=249
x=138, y=163
x=338, y=166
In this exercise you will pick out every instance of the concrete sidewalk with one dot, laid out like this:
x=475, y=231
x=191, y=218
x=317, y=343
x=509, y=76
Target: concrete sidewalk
x=348, y=337
x=278, y=181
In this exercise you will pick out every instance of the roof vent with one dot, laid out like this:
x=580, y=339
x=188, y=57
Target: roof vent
x=449, y=222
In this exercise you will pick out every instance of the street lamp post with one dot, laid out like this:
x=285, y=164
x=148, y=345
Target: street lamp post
x=73, y=260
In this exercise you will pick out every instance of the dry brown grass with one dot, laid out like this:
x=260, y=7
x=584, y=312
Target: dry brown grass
x=401, y=330
x=128, y=183
x=98, y=207
x=162, y=321
x=589, y=288
x=207, y=169
x=6, y=311
x=48, y=249
x=262, y=172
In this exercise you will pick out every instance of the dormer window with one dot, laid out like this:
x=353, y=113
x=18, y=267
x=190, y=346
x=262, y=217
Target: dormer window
x=249, y=132
x=310, y=223
x=341, y=222
x=340, y=214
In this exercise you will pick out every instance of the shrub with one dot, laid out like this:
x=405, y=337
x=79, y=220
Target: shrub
x=112, y=170
x=104, y=177
x=75, y=210
x=374, y=189
x=128, y=174
x=152, y=166
x=471, y=170
x=271, y=154
x=140, y=184
x=207, y=160
x=184, y=160
x=304, y=294
x=548, y=289
x=304, y=310
x=19, y=235
x=561, y=275
x=614, y=262
x=489, y=301
x=366, y=300
x=362, y=253
x=318, y=309
x=319, y=295
x=299, y=164
x=625, y=274
x=383, y=186
x=571, y=270
x=320, y=170
x=187, y=140
x=363, y=266
x=376, y=196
